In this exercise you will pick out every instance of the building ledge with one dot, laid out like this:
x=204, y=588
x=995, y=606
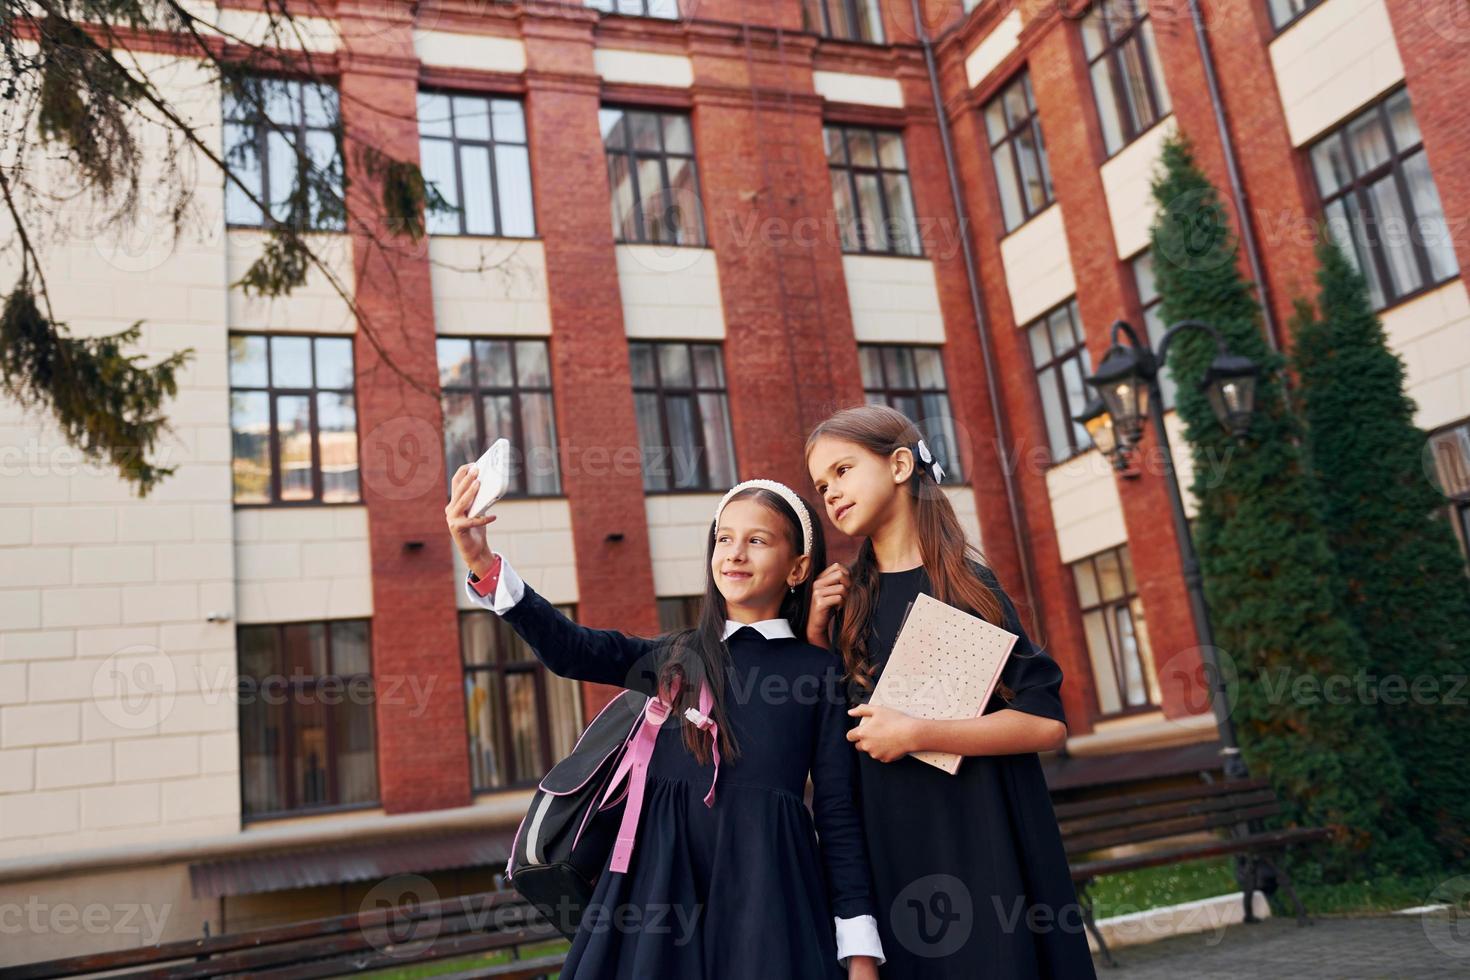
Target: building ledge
x=498, y=810
x=1147, y=731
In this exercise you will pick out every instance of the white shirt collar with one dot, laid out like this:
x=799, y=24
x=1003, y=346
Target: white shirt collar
x=771, y=629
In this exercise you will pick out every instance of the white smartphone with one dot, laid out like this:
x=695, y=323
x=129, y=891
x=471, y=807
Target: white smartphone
x=494, y=472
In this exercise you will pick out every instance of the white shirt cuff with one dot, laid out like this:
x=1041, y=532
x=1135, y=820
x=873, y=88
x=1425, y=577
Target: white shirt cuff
x=508, y=591
x=858, y=936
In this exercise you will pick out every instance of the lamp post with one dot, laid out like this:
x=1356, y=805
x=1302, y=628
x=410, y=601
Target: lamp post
x=1127, y=382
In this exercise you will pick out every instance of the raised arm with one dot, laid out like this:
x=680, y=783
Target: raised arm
x=602, y=656
x=565, y=647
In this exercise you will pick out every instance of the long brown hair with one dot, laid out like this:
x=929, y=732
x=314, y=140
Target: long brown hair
x=698, y=655
x=942, y=545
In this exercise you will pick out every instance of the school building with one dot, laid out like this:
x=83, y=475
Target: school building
x=680, y=238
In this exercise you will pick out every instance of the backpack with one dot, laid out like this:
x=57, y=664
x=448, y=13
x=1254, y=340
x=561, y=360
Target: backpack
x=584, y=814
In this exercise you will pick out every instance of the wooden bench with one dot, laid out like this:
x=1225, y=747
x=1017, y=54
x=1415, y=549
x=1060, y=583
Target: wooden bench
x=1200, y=820
x=376, y=939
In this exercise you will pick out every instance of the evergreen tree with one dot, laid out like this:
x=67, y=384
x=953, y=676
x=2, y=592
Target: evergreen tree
x=1406, y=589
x=1269, y=575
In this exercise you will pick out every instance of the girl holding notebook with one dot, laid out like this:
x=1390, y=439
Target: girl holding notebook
x=969, y=874
x=726, y=879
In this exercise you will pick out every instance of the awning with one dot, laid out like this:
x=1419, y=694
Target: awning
x=1079, y=771
x=362, y=860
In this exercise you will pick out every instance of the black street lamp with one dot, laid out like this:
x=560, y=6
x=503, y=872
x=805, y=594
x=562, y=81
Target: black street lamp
x=1099, y=425
x=1127, y=382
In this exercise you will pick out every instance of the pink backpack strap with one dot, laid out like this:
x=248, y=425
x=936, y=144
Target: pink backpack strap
x=634, y=767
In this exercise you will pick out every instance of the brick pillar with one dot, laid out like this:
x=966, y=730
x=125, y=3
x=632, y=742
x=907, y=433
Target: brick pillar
x=1074, y=149
x=601, y=474
x=790, y=356
x=1432, y=37
x=423, y=762
x=1276, y=178
x=964, y=365
x=1055, y=623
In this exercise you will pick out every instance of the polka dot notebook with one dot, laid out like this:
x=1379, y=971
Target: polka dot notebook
x=945, y=664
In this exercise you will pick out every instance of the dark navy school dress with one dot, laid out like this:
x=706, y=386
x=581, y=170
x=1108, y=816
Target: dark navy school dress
x=739, y=890
x=969, y=873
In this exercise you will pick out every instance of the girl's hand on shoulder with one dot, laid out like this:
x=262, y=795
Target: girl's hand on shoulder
x=862, y=968
x=468, y=532
x=884, y=733
x=829, y=591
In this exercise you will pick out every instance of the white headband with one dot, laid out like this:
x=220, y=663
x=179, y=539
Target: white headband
x=785, y=493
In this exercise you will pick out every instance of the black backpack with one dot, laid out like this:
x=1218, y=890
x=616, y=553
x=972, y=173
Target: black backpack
x=564, y=839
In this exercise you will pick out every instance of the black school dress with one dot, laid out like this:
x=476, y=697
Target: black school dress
x=739, y=890
x=969, y=873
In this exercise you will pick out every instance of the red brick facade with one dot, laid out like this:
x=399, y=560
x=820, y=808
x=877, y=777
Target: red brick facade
x=790, y=353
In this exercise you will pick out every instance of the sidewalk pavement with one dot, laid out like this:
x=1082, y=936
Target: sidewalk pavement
x=1390, y=947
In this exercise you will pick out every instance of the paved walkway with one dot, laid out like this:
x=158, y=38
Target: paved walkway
x=1395, y=947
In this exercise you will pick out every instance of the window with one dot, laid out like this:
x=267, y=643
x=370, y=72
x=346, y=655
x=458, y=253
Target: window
x=281, y=141
x=683, y=416
x=293, y=420
x=1450, y=449
x=1018, y=152
x=678, y=612
x=1284, y=12
x=650, y=167
x=1117, y=640
x=473, y=150
x=911, y=379
x=1060, y=356
x=306, y=717
x=521, y=717
x=1148, y=296
x=1380, y=202
x=1124, y=63
x=664, y=9
x=870, y=190
x=849, y=20
x=494, y=387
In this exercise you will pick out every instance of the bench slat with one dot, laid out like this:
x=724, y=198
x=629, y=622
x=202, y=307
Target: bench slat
x=1170, y=811
x=1223, y=845
x=1084, y=843
x=1109, y=804
x=447, y=909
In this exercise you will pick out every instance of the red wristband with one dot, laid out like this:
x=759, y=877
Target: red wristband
x=486, y=586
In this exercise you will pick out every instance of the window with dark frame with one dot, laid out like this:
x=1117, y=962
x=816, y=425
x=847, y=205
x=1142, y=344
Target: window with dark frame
x=650, y=168
x=870, y=190
x=1123, y=61
x=683, y=415
x=1018, y=152
x=911, y=380
x=1148, y=297
x=520, y=717
x=1117, y=636
x=1450, y=449
x=307, y=735
x=847, y=20
x=491, y=387
x=678, y=612
x=282, y=141
x=472, y=148
x=1287, y=12
x=1380, y=201
x=1059, y=354
x=660, y=9
x=293, y=419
